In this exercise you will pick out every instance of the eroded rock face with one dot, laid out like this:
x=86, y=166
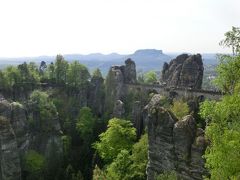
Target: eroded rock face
x=184, y=71
x=10, y=167
x=130, y=72
x=137, y=117
x=174, y=145
x=116, y=79
x=16, y=139
x=118, y=110
x=96, y=95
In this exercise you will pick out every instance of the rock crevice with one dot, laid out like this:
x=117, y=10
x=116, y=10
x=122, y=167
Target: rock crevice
x=174, y=145
x=183, y=71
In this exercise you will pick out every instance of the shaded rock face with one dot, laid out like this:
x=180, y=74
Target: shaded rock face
x=137, y=117
x=118, y=110
x=174, y=145
x=10, y=167
x=130, y=72
x=116, y=79
x=183, y=71
x=16, y=139
x=96, y=95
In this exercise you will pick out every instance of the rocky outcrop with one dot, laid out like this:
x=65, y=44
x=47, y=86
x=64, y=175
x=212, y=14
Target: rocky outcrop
x=96, y=95
x=16, y=138
x=10, y=167
x=116, y=79
x=174, y=145
x=183, y=71
x=118, y=110
x=137, y=117
x=129, y=72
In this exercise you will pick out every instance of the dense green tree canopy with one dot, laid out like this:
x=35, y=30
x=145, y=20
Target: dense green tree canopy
x=150, y=77
x=228, y=74
x=85, y=123
x=77, y=75
x=43, y=109
x=223, y=132
x=119, y=135
x=223, y=117
x=61, y=67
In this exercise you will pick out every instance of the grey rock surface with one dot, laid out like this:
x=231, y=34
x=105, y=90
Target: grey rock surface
x=174, y=145
x=10, y=168
x=183, y=71
x=118, y=110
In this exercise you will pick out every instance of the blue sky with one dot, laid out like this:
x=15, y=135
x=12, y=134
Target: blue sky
x=49, y=27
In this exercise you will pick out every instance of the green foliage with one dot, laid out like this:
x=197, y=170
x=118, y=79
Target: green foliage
x=34, y=164
x=44, y=111
x=119, y=168
x=10, y=77
x=223, y=132
x=71, y=174
x=129, y=164
x=77, y=75
x=99, y=174
x=29, y=73
x=150, y=77
x=51, y=73
x=180, y=108
x=97, y=73
x=66, y=145
x=228, y=71
x=167, y=176
x=223, y=154
x=119, y=135
x=23, y=78
x=61, y=67
x=232, y=40
x=85, y=123
x=139, y=159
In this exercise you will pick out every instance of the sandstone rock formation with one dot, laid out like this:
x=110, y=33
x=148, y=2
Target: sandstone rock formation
x=10, y=167
x=174, y=145
x=96, y=95
x=16, y=138
x=116, y=79
x=183, y=71
x=129, y=72
x=137, y=118
x=118, y=110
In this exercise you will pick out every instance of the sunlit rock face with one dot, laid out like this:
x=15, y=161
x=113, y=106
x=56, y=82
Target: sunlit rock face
x=174, y=145
x=184, y=71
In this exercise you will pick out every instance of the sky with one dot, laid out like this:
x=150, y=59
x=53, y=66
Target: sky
x=50, y=27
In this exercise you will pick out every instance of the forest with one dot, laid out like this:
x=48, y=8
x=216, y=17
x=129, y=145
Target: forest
x=74, y=133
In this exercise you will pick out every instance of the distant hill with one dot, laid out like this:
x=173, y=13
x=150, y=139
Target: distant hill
x=146, y=59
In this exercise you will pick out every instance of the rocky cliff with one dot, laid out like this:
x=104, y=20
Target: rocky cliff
x=13, y=139
x=116, y=79
x=174, y=145
x=16, y=139
x=183, y=71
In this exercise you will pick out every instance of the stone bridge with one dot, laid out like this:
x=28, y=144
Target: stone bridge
x=176, y=92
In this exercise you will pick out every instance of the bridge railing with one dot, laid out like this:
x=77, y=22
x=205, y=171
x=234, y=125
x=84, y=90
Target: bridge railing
x=176, y=88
